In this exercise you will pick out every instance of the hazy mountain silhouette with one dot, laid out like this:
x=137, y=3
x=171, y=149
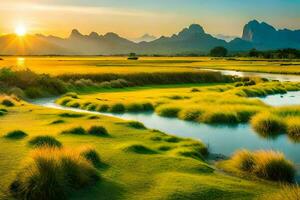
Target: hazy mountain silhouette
x=193, y=39
x=145, y=38
x=265, y=36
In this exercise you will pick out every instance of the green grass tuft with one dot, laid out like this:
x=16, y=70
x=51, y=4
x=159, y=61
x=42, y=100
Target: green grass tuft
x=17, y=134
x=268, y=165
x=98, y=131
x=42, y=141
x=138, y=148
x=91, y=155
x=59, y=121
x=53, y=174
x=136, y=125
x=267, y=124
x=76, y=131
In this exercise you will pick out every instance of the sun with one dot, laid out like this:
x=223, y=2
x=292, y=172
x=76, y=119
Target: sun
x=20, y=30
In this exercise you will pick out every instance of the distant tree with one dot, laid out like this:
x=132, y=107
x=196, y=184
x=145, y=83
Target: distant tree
x=133, y=56
x=219, y=52
x=253, y=53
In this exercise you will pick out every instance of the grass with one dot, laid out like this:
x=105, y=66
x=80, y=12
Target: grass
x=267, y=124
x=136, y=125
x=287, y=193
x=53, y=174
x=91, y=155
x=42, y=141
x=268, y=165
x=128, y=174
x=75, y=130
x=17, y=134
x=278, y=120
x=98, y=131
x=101, y=64
x=215, y=103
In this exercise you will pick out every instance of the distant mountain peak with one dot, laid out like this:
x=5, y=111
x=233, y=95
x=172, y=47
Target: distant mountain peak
x=196, y=28
x=192, y=31
x=94, y=35
x=145, y=38
x=75, y=33
x=255, y=31
x=111, y=35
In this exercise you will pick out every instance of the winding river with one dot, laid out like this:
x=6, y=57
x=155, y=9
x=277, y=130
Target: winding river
x=221, y=139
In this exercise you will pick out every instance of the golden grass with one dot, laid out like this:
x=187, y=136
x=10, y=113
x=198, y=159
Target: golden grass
x=81, y=65
x=268, y=165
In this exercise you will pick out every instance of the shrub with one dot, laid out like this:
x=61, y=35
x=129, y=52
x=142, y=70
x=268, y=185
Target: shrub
x=7, y=102
x=77, y=131
x=17, y=134
x=267, y=124
x=53, y=174
x=135, y=124
x=264, y=164
x=34, y=92
x=98, y=130
x=91, y=155
x=42, y=141
x=117, y=108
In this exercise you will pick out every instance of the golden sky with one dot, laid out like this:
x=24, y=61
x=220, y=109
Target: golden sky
x=133, y=18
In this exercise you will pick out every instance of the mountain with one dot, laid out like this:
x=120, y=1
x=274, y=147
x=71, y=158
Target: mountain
x=192, y=39
x=265, y=36
x=145, y=38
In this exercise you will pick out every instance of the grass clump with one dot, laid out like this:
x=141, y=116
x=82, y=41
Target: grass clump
x=136, y=125
x=98, y=131
x=17, y=134
x=91, y=155
x=117, y=108
x=138, y=148
x=293, y=128
x=59, y=121
x=71, y=115
x=42, y=141
x=268, y=165
x=267, y=124
x=168, y=111
x=72, y=95
x=53, y=174
x=7, y=103
x=76, y=131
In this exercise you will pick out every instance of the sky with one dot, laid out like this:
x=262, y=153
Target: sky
x=133, y=18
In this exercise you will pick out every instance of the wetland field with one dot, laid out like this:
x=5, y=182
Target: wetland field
x=153, y=128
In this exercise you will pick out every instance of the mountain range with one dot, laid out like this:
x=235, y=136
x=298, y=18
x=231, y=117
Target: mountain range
x=193, y=39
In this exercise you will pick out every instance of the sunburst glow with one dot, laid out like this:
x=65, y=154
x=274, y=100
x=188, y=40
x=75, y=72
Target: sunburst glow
x=20, y=30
